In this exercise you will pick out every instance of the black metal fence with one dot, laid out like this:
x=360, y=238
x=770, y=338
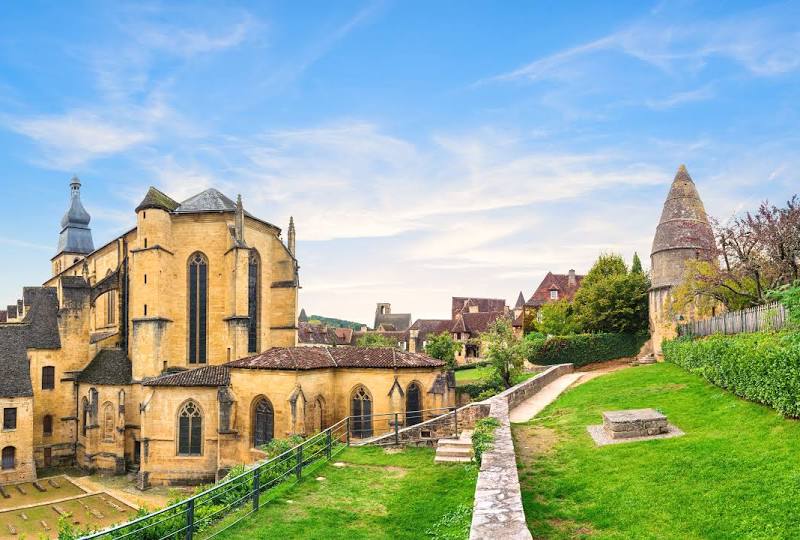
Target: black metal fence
x=771, y=316
x=240, y=496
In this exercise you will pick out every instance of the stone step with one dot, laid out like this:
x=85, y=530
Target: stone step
x=452, y=459
x=454, y=452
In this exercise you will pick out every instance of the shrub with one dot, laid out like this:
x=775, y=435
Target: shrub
x=582, y=349
x=761, y=367
x=477, y=389
x=789, y=296
x=483, y=436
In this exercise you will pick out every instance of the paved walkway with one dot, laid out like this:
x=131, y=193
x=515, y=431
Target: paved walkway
x=534, y=404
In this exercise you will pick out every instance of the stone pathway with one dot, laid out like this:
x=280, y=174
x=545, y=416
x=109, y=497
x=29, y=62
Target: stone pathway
x=534, y=404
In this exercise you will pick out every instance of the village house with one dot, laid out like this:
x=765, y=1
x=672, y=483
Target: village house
x=553, y=288
x=171, y=351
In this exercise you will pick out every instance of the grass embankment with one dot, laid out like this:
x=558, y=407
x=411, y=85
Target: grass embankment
x=375, y=495
x=735, y=474
x=471, y=375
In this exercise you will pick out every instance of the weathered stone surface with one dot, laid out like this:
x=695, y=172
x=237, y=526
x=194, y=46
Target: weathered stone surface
x=634, y=423
x=601, y=437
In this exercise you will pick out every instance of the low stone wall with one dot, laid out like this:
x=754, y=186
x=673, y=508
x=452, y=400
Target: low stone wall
x=497, y=511
x=427, y=433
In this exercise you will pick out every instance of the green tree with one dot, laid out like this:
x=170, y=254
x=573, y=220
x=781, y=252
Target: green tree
x=505, y=351
x=611, y=299
x=443, y=347
x=375, y=340
x=636, y=264
x=557, y=319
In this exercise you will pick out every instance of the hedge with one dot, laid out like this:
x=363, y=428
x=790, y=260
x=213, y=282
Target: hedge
x=761, y=367
x=582, y=349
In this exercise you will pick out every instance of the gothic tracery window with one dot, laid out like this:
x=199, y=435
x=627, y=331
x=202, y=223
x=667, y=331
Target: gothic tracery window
x=198, y=308
x=263, y=422
x=190, y=430
x=253, y=289
x=361, y=412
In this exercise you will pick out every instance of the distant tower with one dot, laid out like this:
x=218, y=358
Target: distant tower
x=682, y=235
x=75, y=239
x=303, y=318
x=292, y=237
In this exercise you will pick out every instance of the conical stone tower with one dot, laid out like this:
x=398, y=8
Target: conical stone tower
x=683, y=234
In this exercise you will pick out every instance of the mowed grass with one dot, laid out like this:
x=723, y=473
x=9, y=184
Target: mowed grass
x=82, y=518
x=376, y=495
x=31, y=495
x=475, y=374
x=735, y=474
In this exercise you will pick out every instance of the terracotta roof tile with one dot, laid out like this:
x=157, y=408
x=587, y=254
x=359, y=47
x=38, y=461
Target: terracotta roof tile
x=305, y=358
x=559, y=282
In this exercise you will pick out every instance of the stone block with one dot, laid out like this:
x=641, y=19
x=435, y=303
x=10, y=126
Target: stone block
x=634, y=423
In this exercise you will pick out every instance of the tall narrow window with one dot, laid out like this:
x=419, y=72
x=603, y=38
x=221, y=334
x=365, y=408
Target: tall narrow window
x=198, y=308
x=9, y=458
x=263, y=422
x=413, y=405
x=361, y=411
x=109, y=422
x=190, y=430
x=110, y=307
x=84, y=415
x=253, y=282
x=47, y=425
x=48, y=377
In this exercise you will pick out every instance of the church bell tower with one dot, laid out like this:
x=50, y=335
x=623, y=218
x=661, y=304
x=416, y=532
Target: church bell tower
x=75, y=240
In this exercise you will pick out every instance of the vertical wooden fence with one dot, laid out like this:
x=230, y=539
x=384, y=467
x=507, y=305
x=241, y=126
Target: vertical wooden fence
x=771, y=316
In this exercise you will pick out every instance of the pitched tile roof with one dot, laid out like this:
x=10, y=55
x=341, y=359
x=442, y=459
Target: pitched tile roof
x=109, y=366
x=205, y=376
x=475, y=323
x=14, y=367
x=320, y=334
x=397, y=321
x=558, y=282
x=210, y=200
x=305, y=358
x=462, y=304
x=157, y=199
x=427, y=327
x=42, y=319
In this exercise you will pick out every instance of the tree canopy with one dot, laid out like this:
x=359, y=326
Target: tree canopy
x=505, y=351
x=443, y=347
x=375, y=340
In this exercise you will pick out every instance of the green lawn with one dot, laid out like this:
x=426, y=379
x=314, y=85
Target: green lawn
x=376, y=495
x=475, y=374
x=735, y=474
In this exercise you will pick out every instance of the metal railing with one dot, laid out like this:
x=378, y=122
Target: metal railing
x=772, y=316
x=238, y=497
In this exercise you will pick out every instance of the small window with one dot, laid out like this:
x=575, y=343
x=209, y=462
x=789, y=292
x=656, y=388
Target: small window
x=10, y=418
x=47, y=425
x=9, y=458
x=145, y=279
x=144, y=215
x=48, y=377
x=145, y=310
x=553, y=295
x=145, y=243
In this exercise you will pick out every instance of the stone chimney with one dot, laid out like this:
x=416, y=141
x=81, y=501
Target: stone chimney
x=571, y=278
x=239, y=221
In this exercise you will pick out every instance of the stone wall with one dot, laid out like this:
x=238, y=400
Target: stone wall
x=498, y=512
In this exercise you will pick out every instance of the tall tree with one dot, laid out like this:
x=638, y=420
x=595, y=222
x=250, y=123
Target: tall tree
x=505, y=351
x=556, y=319
x=636, y=264
x=443, y=347
x=611, y=299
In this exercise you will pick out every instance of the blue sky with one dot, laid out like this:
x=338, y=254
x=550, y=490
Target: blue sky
x=425, y=149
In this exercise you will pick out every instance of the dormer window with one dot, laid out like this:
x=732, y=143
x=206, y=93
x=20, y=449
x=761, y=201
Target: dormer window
x=554, y=294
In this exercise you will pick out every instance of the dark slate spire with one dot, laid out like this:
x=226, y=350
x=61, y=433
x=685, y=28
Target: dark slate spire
x=520, y=301
x=303, y=317
x=76, y=236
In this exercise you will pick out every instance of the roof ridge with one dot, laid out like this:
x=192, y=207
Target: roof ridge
x=328, y=350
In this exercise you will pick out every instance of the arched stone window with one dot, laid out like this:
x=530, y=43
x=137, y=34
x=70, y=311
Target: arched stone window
x=253, y=291
x=47, y=425
x=9, y=458
x=198, y=308
x=84, y=415
x=263, y=422
x=361, y=412
x=109, y=422
x=413, y=404
x=190, y=430
x=319, y=414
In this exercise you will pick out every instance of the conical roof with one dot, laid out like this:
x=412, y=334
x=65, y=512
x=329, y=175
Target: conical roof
x=684, y=223
x=75, y=237
x=303, y=317
x=520, y=301
x=157, y=199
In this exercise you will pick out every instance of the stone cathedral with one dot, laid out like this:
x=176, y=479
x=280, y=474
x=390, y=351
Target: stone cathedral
x=171, y=351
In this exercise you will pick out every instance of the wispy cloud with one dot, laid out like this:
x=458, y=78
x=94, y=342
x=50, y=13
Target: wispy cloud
x=681, y=98
x=763, y=41
x=24, y=244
